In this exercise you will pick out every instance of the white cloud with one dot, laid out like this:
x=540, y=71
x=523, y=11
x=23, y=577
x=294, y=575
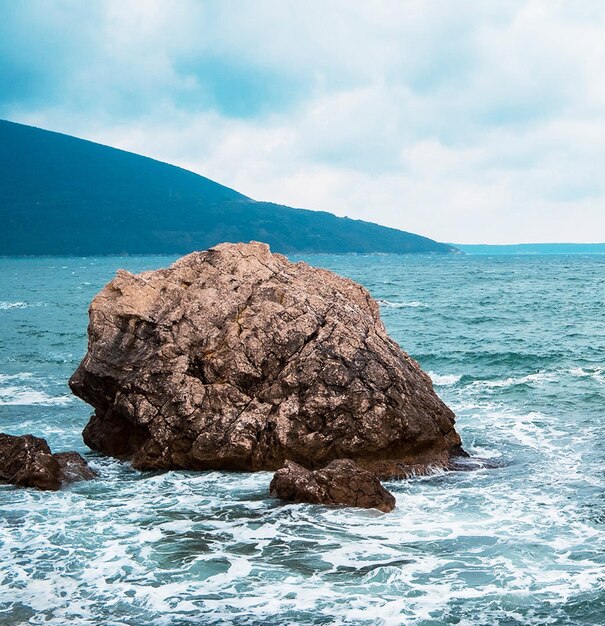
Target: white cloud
x=473, y=121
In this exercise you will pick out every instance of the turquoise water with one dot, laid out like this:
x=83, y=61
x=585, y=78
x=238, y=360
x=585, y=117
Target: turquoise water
x=515, y=345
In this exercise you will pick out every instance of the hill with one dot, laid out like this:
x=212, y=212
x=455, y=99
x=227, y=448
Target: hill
x=60, y=195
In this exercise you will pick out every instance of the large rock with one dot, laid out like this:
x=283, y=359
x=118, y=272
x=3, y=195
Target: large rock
x=27, y=461
x=235, y=358
x=341, y=482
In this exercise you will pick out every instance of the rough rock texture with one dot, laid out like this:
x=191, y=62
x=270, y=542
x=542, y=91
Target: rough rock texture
x=73, y=467
x=27, y=461
x=235, y=358
x=341, y=482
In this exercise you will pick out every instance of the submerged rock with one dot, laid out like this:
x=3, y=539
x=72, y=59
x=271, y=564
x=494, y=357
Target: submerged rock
x=27, y=461
x=73, y=467
x=235, y=358
x=341, y=482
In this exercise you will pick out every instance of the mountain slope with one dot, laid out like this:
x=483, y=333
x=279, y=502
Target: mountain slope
x=63, y=195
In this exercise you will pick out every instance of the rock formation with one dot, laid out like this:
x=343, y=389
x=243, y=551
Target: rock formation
x=235, y=358
x=341, y=482
x=27, y=461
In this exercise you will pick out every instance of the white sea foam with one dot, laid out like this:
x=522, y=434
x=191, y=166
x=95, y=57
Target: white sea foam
x=408, y=567
x=19, y=376
x=537, y=379
x=23, y=388
x=444, y=380
x=402, y=305
x=597, y=373
x=21, y=395
x=579, y=372
x=5, y=306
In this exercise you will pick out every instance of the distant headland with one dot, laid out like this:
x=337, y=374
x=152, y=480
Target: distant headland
x=60, y=195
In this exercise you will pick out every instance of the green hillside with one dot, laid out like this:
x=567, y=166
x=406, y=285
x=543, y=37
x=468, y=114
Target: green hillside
x=61, y=195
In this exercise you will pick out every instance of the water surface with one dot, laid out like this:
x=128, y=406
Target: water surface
x=515, y=345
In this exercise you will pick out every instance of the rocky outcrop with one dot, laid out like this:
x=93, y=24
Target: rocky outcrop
x=342, y=482
x=235, y=358
x=27, y=461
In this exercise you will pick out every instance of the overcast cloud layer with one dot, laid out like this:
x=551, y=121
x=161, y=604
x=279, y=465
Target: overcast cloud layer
x=467, y=121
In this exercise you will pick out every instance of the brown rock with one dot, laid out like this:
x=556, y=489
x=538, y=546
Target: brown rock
x=341, y=482
x=235, y=358
x=27, y=461
x=73, y=467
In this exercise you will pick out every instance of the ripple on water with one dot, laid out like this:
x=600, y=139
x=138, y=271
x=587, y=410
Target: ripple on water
x=520, y=543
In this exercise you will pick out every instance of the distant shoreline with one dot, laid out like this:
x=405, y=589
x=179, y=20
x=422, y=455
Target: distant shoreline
x=465, y=249
x=533, y=248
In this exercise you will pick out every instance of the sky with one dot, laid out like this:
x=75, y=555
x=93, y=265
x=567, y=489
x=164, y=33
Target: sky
x=468, y=121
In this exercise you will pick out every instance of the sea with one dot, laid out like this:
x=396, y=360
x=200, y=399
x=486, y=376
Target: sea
x=514, y=344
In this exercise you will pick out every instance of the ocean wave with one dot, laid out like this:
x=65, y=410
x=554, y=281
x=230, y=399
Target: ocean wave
x=596, y=373
x=536, y=379
x=214, y=546
x=12, y=305
x=444, y=380
x=402, y=305
x=20, y=376
x=508, y=361
x=14, y=394
x=6, y=306
x=540, y=378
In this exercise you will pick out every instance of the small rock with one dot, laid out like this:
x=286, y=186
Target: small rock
x=341, y=482
x=27, y=461
x=74, y=467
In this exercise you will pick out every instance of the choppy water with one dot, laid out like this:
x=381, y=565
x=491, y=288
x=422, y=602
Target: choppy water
x=515, y=345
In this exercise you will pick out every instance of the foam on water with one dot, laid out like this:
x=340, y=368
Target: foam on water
x=6, y=306
x=414, y=304
x=597, y=373
x=444, y=380
x=14, y=394
x=534, y=379
x=519, y=544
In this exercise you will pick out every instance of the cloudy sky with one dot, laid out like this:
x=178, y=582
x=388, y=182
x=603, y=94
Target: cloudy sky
x=464, y=120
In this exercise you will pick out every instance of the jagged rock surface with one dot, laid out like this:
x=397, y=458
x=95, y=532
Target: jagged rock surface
x=235, y=358
x=341, y=482
x=73, y=467
x=27, y=461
